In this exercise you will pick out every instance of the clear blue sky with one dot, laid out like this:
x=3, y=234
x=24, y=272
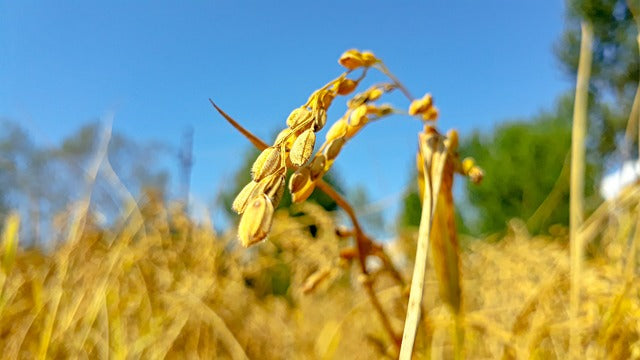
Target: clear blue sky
x=155, y=64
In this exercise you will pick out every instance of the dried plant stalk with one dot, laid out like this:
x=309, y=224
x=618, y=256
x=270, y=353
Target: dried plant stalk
x=434, y=156
x=577, y=182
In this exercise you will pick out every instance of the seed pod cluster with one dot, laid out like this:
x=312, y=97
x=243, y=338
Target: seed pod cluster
x=361, y=111
x=292, y=149
x=353, y=59
x=424, y=107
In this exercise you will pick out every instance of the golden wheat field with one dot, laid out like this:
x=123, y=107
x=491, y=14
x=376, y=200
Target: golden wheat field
x=160, y=286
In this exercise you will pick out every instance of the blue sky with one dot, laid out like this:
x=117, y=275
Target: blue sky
x=154, y=64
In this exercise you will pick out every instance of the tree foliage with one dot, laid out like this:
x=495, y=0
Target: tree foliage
x=616, y=64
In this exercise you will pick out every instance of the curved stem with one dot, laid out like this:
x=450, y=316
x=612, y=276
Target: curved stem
x=383, y=68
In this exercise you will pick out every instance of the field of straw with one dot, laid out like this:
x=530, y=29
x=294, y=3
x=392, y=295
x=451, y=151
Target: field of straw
x=159, y=286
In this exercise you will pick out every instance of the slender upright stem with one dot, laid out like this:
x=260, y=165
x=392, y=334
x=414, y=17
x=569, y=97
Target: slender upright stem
x=577, y=183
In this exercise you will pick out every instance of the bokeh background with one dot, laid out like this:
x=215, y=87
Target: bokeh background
x=104, y=112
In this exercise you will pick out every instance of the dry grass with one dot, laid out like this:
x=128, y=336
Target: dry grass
x=168, y=288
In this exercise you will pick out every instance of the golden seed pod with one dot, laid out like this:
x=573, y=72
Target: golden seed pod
x=346, y=86
x=319, y=119
x=298, y=116
x=431, y=114
x=273, y=186
x=369, y=59
x=357, y=100
x=359, y=116
x=452, y=140
x=325, y=98
x=374, y=94
x=337, y=130
x=381, y=110
x=316, y=166
x=266, y=164
x=467, y=164
x=241, y=200
x=298, y=179
x=256, y=221
x=300, y=185
x=302, y=147
x=420, y=106
x=351, y=59
x=470, y=169
x=352, y=130
x=285, y=136
x=332, y=150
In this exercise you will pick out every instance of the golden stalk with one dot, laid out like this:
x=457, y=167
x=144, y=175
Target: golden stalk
x=577, y=183
x=434, y=157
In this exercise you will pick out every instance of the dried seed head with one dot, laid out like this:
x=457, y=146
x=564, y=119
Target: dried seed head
x=298, y=116
x=267, y=163
x=332, y=150
x=302, y=147
x=419, y=106
x=241, y=200
x=337, y=130
x=346, y=86
x=256, y=220
x=300, y=185
x=359, y=116
x=351, y=59
x=316, y=166
x=369, y=59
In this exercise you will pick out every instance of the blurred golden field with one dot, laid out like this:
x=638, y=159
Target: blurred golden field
x=158, y=285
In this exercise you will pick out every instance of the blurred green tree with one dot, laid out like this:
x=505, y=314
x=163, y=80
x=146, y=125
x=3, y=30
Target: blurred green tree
x=42, y=180
x=615, y=69
x=526, y=175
